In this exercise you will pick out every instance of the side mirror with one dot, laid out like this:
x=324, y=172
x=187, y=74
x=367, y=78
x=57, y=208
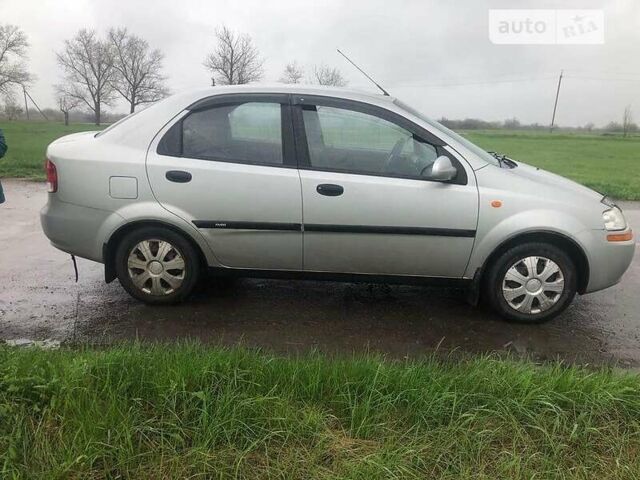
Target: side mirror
x=443, y=170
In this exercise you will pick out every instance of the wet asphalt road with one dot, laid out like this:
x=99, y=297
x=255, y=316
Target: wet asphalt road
x=39, y=300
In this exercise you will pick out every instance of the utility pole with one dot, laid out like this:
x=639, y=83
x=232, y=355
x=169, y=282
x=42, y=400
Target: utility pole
x=26, y=105
x=555, y=105
x=26, y=94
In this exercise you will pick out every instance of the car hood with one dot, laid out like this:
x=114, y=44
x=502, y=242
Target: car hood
x=549, y=179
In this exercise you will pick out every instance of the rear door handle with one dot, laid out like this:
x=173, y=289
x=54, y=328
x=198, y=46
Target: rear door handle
x=178, y=176
x=330, y=189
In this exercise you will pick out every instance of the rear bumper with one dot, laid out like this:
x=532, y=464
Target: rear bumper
x=607, y=260
x=75, y=229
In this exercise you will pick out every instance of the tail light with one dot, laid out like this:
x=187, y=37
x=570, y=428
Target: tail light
x=52, y=176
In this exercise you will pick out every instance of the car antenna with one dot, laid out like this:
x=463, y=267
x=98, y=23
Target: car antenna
x=364, y=73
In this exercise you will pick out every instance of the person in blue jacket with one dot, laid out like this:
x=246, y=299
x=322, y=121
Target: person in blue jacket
x=3, y=150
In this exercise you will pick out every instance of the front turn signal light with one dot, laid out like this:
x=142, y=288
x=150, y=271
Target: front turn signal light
x=620, y=237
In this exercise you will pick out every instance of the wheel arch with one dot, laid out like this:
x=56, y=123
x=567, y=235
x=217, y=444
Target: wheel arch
x=567, y=244
x=111, y=245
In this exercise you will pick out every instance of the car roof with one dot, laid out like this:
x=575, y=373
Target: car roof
x=151, y=119
x=326, y=91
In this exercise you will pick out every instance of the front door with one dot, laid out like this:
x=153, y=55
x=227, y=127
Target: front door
x=368, y=205
x=228, y=167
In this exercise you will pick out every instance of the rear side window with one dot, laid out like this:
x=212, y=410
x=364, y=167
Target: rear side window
x=245, y=133
x=256, y=122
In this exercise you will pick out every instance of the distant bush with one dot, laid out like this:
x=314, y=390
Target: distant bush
x=511, y=123
x=469, y=124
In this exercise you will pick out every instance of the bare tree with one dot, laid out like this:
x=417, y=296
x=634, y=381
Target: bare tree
x=325, y=75
x=293, y=73
x=12, y=109
x=627, y=121
x=88, y=65
x=138, y=78
x=13, y=53
x=235, y=60
x=66, y=103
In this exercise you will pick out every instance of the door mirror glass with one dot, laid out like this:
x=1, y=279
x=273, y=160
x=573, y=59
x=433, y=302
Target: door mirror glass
x=442, y=170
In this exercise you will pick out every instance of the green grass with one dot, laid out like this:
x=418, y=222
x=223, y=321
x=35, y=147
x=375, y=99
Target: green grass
x=610, y=164
x=27, y=143
x=188, y=411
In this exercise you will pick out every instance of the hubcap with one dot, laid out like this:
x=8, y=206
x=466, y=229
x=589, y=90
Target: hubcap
x=156, y=267
x=533, y=285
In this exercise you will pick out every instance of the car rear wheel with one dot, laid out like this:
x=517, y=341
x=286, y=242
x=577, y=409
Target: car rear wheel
x=531, y=283
x=157, y=265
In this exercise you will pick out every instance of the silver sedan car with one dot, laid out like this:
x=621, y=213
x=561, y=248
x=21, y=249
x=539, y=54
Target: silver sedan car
x=321, y=183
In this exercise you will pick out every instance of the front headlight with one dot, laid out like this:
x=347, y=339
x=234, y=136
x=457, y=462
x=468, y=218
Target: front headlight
x=614, y=219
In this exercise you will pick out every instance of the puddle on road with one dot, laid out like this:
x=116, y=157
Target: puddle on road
x=39, y=300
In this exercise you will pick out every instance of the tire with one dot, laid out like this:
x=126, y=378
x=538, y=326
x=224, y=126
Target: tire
x=157, y=266
x=519, y=296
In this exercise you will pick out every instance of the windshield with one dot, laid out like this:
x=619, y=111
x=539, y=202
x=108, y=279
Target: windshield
x=486, y=156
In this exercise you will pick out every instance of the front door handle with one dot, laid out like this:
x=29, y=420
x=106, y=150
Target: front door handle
x=178, y=176
x=329, y=189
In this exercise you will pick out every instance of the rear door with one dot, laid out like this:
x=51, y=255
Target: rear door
x=228, y=166
x=368, y=204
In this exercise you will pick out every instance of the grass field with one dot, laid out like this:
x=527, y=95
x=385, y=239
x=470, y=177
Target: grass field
x=610, y=164
x=27, y=143
x=188, y=411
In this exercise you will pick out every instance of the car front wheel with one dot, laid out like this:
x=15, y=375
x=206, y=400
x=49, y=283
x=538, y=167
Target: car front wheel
x=157, y=266
x=532, y=282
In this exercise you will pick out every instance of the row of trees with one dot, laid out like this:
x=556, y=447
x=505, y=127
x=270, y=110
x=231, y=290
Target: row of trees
x=236, y=60
x=98, y=70
x=320, y=74
x=626, y=127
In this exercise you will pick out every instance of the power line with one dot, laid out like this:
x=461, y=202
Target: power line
x=481, y=82
x=532, y=78
x=599, y=73
x=604, y=79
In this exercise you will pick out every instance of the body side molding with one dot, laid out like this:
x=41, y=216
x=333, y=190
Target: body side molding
x=317, y=227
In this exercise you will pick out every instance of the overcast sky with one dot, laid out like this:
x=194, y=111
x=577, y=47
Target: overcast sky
x=435, y=54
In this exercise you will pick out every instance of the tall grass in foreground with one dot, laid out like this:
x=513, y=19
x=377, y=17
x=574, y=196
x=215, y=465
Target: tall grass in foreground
x=191, y=411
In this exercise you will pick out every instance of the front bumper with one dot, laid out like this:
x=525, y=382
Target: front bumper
x=607, y=260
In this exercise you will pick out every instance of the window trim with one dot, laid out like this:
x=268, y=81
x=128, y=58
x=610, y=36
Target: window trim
x=209, y=103
x=302, y=148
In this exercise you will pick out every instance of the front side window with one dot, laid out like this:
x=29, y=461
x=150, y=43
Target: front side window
x=486, y=156
x=248, y=132
x=351, y=141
